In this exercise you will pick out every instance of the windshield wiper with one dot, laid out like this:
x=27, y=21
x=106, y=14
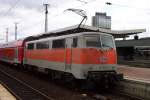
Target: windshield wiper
x=104, y=45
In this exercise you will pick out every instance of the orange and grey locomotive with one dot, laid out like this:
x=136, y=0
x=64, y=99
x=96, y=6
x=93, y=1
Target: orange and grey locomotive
x=81, y=56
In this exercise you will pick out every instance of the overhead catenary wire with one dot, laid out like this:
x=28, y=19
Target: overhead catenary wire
x=82, y=1
x=126, y=6
x=115, y=4
x=56, y=15
x=7, y=12
x=12, y=7
x=83, y=4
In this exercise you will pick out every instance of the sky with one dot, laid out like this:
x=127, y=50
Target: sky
x=29, y=14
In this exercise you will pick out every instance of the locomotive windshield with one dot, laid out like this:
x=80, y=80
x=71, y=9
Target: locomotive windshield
x=99, y=41
x=107, y=41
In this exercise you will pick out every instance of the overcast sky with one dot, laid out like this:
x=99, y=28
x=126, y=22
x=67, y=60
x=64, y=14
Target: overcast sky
x=29, y=14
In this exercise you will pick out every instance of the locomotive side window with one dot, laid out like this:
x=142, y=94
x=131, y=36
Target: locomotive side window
x=30, y=46
x=75, y=42
x=42, y=45
x=93, y=41
x=58, y=43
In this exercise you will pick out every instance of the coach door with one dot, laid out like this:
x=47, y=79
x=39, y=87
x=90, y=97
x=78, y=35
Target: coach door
x=68, y=58
x=16, y=55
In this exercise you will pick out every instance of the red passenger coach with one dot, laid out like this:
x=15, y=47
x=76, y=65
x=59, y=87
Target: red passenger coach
x=12, y=52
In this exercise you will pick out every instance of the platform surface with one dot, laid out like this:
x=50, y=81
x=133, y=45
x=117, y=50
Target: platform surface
x=5, y=94
x=134, y=73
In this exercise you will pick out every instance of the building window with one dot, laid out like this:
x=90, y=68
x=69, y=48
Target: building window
x=75, y=42
x=30, y=46
x=58, y=43
x=42, y=45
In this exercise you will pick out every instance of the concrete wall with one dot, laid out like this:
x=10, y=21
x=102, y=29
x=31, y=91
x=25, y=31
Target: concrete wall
x=135, y=88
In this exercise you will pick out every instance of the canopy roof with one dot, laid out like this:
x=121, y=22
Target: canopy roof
x=75, y=29
x=86, y=28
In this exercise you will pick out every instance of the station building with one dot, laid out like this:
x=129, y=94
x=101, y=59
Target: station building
x=126, y=49
x=101, y=20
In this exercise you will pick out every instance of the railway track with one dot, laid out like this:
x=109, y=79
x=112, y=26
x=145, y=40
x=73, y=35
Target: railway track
x=21, y=90
x=40, y=83
x=47, y=90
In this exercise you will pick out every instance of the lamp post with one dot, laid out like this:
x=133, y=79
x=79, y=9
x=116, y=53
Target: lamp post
x=6, y=35
x=15, y=31
x=46, y=17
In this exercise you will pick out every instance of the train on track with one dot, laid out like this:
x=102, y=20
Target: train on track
x=87, y=56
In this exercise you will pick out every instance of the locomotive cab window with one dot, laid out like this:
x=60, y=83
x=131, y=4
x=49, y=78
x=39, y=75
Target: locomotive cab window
x=92, y=41
x=30, y=46
x=58, y=43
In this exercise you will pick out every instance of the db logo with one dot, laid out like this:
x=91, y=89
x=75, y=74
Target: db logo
x=103, y=59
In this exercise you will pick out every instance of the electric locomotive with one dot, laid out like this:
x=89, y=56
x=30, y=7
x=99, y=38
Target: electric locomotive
x=84, y=56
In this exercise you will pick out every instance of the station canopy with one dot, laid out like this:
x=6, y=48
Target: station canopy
x=86, y=28
x=76, y=29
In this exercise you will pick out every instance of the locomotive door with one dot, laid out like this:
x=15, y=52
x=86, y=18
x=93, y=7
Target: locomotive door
x=68, y=53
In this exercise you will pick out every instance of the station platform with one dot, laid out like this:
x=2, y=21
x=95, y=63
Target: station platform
x=134, y=73
x=5, y=94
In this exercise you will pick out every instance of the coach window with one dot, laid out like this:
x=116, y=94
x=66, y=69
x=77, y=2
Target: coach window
x=75, y=42
x=58, y=43
x=30, y=46
x=42, y=45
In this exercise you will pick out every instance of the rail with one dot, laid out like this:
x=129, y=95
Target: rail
x=21, y=90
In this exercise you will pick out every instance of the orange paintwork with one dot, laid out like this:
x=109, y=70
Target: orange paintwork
x=57, y=55
x=74, y=55
x=94, y=56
